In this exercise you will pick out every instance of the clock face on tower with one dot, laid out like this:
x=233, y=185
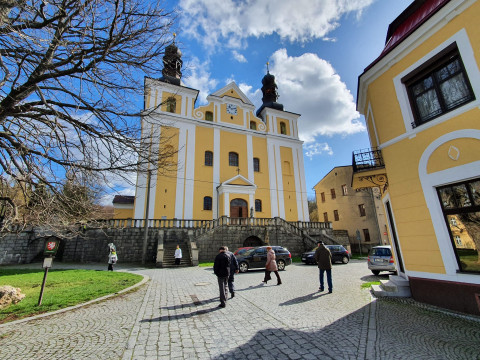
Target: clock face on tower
x=232, y=109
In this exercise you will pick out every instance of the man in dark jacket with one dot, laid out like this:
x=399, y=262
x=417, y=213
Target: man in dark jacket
x=324, y=261
x=233, y=271
x=221, y=268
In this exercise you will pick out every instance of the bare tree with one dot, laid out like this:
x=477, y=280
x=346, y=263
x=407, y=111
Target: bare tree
x=71, y=77
x=312, y=209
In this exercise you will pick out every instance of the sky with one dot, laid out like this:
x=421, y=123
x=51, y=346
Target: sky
x=316, y=50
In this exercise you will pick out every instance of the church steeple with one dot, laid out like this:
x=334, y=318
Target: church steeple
x=172, y=64
x=270, y=95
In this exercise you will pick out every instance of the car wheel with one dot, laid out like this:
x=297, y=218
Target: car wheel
x=281, y=265
x=243, y=267
x=345, y=260
x=376, y=272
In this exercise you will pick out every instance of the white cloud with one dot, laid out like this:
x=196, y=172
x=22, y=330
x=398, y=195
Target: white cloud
x=199, y=78
x=239, y=57
x=300, y=20
x=311, y=150
x=309, y=85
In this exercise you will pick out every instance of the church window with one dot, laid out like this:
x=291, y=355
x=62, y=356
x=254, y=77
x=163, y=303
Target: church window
x=232, y=159
x=258, y=205
x=325, y=217
x=171, y=105
x=207, y=203
x=209, y=115
x=208, y=158
x=256, y=164
x=286, y=168
x=253, y=125
x=283, y=128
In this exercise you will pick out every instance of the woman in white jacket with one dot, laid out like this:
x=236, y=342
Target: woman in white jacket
x=178, y=255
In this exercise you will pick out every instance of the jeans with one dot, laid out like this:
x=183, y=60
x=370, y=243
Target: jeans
x=329, y=279
x=223, y=286
x=231, y=285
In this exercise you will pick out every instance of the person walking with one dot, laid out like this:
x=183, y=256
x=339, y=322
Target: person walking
x=271, y=265
x=323, y=257
x=221, y=268
x=178, y=255
x=233, y=270
x=112, y=256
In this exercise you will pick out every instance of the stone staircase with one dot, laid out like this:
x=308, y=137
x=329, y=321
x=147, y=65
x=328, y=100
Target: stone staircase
x=169, y=252
x=395, y=286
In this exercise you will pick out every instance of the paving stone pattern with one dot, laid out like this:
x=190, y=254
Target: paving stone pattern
x=175, y=316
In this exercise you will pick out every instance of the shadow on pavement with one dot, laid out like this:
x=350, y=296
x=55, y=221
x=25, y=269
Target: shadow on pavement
x=303, y=299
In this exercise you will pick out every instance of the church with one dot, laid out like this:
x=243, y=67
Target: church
x=226, y=158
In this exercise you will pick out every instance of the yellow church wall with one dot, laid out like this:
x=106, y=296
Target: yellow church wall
x=166, y=186
x=289, y=194
x=261, y=178
x=122, y=213
x=166, y=95
x=203, y=173
x=231, y=93
x=371, y=130
x=232, y=142
x=229, y=118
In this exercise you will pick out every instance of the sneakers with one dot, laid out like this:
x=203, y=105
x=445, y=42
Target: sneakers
x=329, y=291
x=222, y=305
x=320, y=289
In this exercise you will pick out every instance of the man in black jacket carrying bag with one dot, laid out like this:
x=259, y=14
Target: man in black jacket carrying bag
x=221, y=268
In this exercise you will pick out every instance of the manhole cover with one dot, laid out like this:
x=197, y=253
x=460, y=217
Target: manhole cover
x=202, y=284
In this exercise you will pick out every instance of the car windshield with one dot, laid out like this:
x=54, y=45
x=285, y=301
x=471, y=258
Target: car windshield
x=248, y=252
x=381, y=252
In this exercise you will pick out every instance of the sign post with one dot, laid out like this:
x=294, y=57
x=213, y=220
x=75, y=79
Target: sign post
x=51, y=247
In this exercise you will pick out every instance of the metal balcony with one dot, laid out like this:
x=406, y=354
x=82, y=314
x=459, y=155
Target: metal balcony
x=367, y=159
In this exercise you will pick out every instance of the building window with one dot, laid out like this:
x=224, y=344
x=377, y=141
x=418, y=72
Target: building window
x=232, y=159
x=258, y=205
x=344, y=190
x=207, y=203
x=325, y=217
x=208, y=158
x=361, y=208
x=461, y=202
x=286, y=168
x=366, y=235
x=256, y=164
x=171, y=104
x=335, y=215
x=439, y=86
x=253, y=125
x=283, y=128
x=322, y=195
x=209, y=115
x=332, y=191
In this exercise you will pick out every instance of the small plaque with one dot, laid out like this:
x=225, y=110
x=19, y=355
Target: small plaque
x=47, y=262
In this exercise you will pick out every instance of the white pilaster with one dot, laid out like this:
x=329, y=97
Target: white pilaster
x=216, y=171
x=250, y=174
x=272, y=178
x=182, y=140
x=189, y=172
x=280, y=190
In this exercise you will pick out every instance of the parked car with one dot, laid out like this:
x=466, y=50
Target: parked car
x=339, y=254
x=380, y=258
x=257, y=257
x=242, y=250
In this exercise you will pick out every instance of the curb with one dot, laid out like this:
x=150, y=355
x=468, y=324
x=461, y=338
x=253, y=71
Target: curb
x=143, y=281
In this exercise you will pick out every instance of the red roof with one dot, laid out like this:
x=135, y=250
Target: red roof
x=407, y=22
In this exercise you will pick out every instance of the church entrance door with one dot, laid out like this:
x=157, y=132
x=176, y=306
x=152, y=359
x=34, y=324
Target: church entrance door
x=238, y=209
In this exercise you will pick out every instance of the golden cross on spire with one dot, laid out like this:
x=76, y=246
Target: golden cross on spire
x=174, y=36
x=267, y=66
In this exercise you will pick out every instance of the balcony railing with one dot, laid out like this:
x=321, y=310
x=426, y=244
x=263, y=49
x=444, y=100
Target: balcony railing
x=367, y=159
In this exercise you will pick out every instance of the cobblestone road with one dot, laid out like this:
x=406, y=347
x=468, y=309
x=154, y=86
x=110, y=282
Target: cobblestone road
x=175, y=316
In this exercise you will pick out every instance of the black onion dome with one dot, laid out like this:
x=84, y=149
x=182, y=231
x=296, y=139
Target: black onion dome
x=270, y=95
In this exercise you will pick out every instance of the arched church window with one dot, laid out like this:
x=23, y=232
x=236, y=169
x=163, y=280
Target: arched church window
x=209, y=115
x=283, y=128
x=256, y=164
x=208, y=158
x=232, y=159
x=258, y=205
x=207, y=203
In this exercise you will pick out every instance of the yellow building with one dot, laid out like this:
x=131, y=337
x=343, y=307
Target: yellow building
x=230, y=160
x=421, y=102
x=360, y=212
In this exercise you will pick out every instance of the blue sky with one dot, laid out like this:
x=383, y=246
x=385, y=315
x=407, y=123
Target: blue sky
x=316, y=49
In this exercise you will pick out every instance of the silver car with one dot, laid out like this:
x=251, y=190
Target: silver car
x=380, y=258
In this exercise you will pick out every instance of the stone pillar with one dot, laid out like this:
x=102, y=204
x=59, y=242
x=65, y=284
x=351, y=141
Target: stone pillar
x=159, y=259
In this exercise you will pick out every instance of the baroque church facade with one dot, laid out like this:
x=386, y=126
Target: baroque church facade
x=229, y=159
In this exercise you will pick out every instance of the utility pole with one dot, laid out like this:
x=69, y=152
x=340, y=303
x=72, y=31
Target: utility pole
x=145, y=225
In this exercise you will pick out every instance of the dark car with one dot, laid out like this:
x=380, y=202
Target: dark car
x=257, y=258
x=339, y=254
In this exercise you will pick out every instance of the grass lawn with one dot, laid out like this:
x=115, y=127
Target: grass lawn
x=63, y=288
x=369, y=284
